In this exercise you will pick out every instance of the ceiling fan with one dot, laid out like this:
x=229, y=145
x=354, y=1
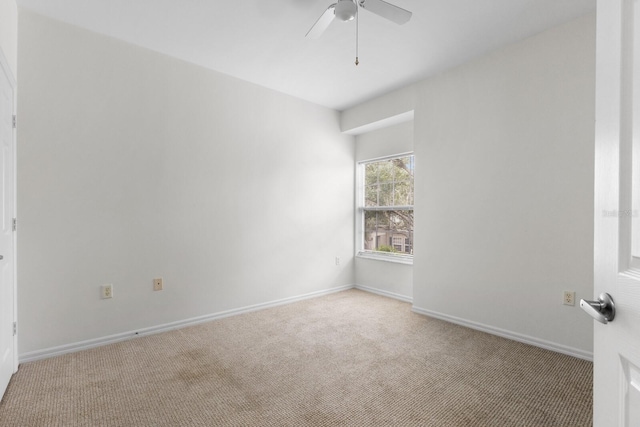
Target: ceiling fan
x=347, y=10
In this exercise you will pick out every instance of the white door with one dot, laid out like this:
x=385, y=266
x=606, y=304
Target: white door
x=8, y=357
x=617, y=213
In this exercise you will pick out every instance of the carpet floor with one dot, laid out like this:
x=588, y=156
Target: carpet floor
x=345, y=359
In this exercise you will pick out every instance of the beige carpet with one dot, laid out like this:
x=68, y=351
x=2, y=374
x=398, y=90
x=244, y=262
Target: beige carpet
x=350, y=358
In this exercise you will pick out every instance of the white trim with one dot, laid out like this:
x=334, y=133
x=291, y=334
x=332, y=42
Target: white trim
x=383, y=158
x=386, y=208
x=537, y=342
x=6, y=69
x=385, y=256
x=97, y=342
x=384, y=293
x=360, y=212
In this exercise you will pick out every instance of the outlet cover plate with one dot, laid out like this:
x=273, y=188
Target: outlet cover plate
x=569, y=298
x=157, y=284
x=106, y=291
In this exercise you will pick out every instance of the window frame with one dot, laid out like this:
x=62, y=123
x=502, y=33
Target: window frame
x=360, y=210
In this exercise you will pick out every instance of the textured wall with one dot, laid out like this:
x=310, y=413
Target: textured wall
x=387, y=277
x=504, y=150
x=504, y=194
x=133, y=165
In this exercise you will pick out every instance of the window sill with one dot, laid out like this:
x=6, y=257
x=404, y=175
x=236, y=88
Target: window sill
x=396, y=259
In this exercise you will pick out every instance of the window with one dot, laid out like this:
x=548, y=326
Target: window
x=385, y=208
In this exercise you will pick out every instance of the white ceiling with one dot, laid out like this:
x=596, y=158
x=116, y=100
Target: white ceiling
x=263, y=41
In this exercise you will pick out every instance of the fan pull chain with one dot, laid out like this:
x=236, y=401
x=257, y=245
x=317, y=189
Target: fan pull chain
x=357, y=20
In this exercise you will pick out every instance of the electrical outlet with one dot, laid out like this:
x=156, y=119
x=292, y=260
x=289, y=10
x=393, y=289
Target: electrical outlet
x=106, y=291
x=157, y=284
x=569, y=298
x=337, y=260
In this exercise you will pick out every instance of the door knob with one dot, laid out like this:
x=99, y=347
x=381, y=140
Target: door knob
x=603, y=310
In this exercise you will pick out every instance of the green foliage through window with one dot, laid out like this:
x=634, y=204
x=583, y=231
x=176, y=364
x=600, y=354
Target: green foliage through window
x=387, y=208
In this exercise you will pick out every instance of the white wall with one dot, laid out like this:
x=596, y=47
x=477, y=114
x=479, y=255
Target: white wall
x=389, y=278
x=133, y=165
x=9, y=33
x=504, y=188
x=504, y=199
x=385, y=142
x=393, y=104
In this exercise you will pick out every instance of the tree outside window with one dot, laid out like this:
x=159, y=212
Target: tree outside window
x=387, y=206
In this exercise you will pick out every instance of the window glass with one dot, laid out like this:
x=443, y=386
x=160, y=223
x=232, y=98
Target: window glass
x=385, y=208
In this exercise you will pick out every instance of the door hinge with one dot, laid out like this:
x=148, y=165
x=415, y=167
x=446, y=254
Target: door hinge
x=15, y=224
x=15, y=121
x=15, y=328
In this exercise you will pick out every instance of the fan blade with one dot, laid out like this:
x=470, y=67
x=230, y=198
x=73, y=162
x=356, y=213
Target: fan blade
x=322, y=23
x=386, y=10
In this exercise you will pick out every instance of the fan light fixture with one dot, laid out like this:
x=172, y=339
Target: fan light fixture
x=345, y=10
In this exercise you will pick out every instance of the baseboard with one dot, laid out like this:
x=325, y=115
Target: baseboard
x=97, y=342
x=384, y=293
x=537, y=342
